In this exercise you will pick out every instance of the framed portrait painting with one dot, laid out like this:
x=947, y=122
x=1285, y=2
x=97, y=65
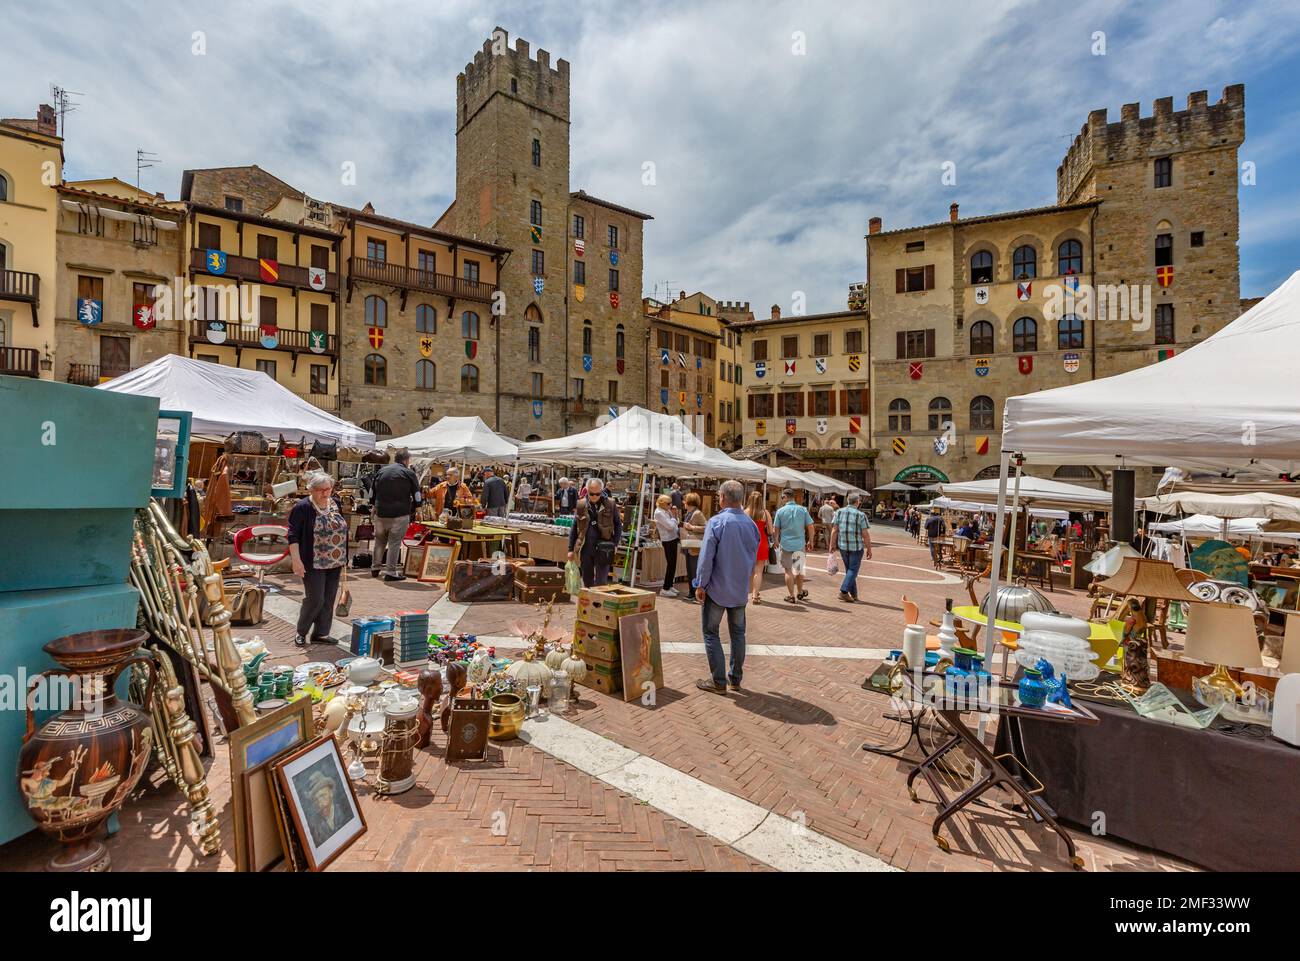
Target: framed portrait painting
x=639, y=652
x=253, y=746
x=326, y=817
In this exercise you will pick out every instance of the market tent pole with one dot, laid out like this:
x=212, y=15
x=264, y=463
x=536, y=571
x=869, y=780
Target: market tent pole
x=1015, y=517
x=514, y=483
x=995, y=575
x=636, y=519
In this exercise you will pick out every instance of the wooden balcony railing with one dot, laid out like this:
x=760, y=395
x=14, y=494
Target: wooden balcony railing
x=248, y=269
x=20, y=285
x=329, y=402
x=397, y=275
x=20, y=361
x=88, y=375
x=250, y=335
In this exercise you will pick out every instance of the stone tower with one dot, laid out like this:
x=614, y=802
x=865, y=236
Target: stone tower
x=1174, y=176
x=512, y=149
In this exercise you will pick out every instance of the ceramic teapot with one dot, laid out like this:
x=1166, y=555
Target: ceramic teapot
x=364, y=670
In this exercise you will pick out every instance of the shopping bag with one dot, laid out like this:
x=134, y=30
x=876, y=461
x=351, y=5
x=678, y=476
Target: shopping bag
x=572, y=578
x=344, y=605
x=832, y=563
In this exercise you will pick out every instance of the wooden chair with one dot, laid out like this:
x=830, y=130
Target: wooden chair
x=912, y=615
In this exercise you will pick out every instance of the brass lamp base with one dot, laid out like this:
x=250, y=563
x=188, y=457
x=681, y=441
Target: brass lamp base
x=1219, y=684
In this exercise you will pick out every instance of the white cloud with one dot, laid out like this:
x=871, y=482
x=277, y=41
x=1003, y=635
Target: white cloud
x=769, y=164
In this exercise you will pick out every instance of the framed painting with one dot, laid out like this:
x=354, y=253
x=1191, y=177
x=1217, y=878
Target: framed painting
x=439, y=559
x=263, y=846
x=322, y=804
x=414, y=561
x=256, y=744
x=639, y=651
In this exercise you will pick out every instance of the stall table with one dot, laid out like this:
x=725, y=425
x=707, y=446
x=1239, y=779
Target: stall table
x=1222, y=800
x=476, y=543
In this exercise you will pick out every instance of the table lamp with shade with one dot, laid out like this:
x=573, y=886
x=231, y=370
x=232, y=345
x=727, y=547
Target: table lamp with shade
x=1152, y=580
x=1223, y=635
x=1286, y=699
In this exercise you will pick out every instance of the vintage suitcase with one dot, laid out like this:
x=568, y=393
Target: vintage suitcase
x=540, y=595
x=603, y=606
x=478, y=581
x=536, y=575
x=597, y=641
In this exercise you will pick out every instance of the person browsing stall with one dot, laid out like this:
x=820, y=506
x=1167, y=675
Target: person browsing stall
x=794, y=528
x=318, y=551
x=594, y=536
x=396, y=494
x=496, y=495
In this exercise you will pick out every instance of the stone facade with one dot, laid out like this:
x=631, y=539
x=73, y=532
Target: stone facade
x=512, y=190
x=120, y=244
x=1133, y=196
x=813, y=397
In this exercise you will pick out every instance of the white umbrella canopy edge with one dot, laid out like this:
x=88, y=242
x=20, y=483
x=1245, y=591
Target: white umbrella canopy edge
x=460, y=439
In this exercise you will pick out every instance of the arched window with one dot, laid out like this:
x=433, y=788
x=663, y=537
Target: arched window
x=1074, y=472
x=4, y=188
x=426, y=375
x=426, y=320
x=940, y=411
x=469, y=325
x=378, y=428
x=1069, y=332
x=4, y=334
x=900, y=415
x=981, y=267
x=987, y=473
x=469, y=379
x=620, y=343
x=533, y=314
x=1024, y=263
x=376, y=370
x=533, y=437
x=981, y=413
x=1024, y=335
x=537, y=152
x=586, y=337
x=376, y=311
x=534, y=345
x=1069, y=257
x=981, y=337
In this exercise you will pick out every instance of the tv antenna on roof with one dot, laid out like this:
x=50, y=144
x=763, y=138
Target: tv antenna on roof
x=63, y=104
x=144, y=159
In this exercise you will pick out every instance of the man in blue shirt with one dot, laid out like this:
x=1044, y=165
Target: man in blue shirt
x=794, y=527
x=722, y=585
x=850, y=533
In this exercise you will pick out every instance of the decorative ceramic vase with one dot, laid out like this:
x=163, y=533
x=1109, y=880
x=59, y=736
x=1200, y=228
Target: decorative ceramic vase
x=914, y=645
x=1057, y=623
x=528, y=672
x=79, y=767
x=963, y=657
x=506, y=717
x=1033, y=692
x=555, y=657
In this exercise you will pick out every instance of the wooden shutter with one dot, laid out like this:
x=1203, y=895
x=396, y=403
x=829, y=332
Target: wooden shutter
x=266, y=308
x=864, y=398
x=799, y=403
x=929, y=342
x=929, y=276
x=900, y=280
x=751, y=406
x=844, y=402
x=901, y=340
x=830, y=401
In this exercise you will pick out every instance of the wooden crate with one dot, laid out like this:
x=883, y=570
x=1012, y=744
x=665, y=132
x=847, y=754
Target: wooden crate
x=603, y=606
x=595, y=640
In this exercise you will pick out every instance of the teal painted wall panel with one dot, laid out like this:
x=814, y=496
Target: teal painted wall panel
x=29, y=619
x=102, y=455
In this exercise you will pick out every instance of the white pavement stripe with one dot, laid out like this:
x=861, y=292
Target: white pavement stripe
x=778, y=842
x=445, y=615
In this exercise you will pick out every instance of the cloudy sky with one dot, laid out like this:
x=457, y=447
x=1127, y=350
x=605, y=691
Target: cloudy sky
x=768, y=161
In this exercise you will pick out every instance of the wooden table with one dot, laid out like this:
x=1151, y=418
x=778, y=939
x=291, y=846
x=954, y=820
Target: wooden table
x=1036, y=567
x=476, y=543
x=950, y=711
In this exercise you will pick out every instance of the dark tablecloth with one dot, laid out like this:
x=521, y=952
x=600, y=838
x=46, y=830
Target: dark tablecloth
x=1222, y=801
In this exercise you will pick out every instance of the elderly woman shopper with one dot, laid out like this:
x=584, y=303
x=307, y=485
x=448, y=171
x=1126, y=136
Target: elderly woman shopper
x=666, y=524
x=318, y=548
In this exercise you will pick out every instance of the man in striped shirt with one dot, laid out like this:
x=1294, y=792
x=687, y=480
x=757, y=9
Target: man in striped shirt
x=850, y=532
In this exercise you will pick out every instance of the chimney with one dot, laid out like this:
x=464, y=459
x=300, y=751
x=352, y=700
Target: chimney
x=776, y=311
x=874, y=225
x=952, y=212
x=47, y=121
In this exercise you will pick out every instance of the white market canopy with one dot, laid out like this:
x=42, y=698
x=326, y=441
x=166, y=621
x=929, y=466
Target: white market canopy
x=1228, y=402
x=830, y=484
x=973, y=507
x=1258, y=505
x=1034, y=491
x=225, y=399
x=1206, y=525
x=896, y=486
x=459, y=440
x=642, y=438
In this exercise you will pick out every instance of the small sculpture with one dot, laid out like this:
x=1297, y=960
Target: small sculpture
x=1137, y=670
x=429, y=685
x=1057, y=692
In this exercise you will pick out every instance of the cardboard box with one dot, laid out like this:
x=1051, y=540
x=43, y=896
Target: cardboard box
x=605, y=683
x=597, y=641
x=603, y=606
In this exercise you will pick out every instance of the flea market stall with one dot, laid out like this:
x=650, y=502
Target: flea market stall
x=1197, y=763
